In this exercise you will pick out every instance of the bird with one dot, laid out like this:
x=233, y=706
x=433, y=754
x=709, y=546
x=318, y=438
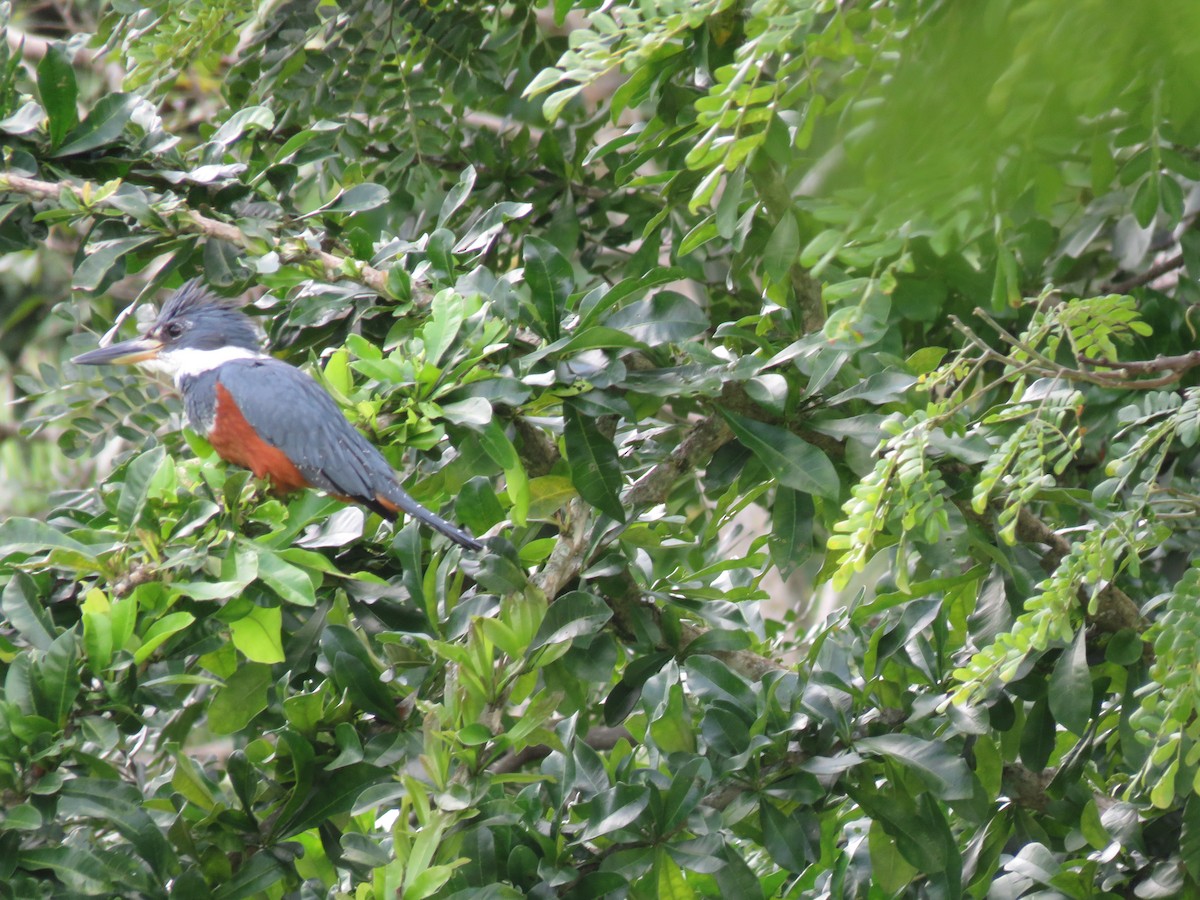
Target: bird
x=261, y=413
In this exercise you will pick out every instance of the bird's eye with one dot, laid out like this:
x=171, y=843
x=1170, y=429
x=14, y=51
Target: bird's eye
x=174, y=331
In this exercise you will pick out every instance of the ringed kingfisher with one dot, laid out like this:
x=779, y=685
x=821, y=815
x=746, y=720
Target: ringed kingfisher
x=262, y=414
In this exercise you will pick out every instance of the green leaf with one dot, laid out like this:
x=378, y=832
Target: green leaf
x=159, y=632
x=29, y=537
x=1189, y=840
x=258, y=634
x=790, y=460
x=1037, y=737
x=56, y=86
x=718, y=640
x=626, y=692
x=359, y=198
x=791, y=529
x=101, y=257
x=250, y=118
x=243, y=696
x=457, y=195
x=254, y=878
x=56, y=678
x=787, y=836
x=550, y=280
x=882, y=387
x=782, y=248
x=97, y=630
x=941, y=767
x=888, y=866
x=571, y=615
x=117, y=804
x=442, y=327
x=614, y=809
x=139, y=475
x=104, y=124
x=331, y=795
x=1071, y=687
x=22, y=608
x=664, y=318
x=291, y=583
x=592, y=459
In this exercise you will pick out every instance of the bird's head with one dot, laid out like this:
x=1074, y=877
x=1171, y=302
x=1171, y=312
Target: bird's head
x=195, y=332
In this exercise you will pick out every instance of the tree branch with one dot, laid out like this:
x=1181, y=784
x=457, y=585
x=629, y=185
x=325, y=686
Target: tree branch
x=567, y=557
x=599, y=738
x=1174, y=366
x=334, y=268
x=1151, y=274
x=1115, y=610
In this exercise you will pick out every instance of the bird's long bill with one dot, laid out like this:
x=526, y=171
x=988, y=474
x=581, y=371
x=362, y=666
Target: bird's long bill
x=124, y=353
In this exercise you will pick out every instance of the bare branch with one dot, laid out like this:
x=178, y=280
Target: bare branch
x=1173, y=366
x=1151, y=274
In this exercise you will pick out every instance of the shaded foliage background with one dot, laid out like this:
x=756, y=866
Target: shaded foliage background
x=669, y=300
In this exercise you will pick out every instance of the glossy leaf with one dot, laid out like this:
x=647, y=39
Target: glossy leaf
x=595, y=470
x=793, y=461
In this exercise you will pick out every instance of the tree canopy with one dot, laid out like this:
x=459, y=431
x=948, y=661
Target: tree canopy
x=820, y=375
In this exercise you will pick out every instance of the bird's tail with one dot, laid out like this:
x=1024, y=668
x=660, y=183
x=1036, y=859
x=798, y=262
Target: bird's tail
x=396, y=500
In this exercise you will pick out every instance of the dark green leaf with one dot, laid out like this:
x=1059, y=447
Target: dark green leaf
x=139, y=476
x=22, y=608
x=941, y=767
x=791, y=529
x=792, y=461
x=571, y=615
x=104, y=124
x=782, y=248
x=101, y=257
x=614, y=809
x=1071, y=687
x=664, y=318
x=592, y=458
x=331, y=794
x=30, y=537
x=626, y=692
x=243, y=697
x=56, y=86
x=118, y=805
x=551, y=280
x=56, y=678
x=255, y=877
x=1037, y=738
x=788, y=836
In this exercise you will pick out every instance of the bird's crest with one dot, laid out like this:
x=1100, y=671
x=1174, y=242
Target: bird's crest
x=191, y=296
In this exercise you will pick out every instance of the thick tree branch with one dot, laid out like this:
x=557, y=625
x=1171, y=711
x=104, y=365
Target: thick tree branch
x=567, y=557
x=698, y=445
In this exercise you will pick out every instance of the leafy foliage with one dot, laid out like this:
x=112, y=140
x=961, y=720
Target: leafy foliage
x=668, y=300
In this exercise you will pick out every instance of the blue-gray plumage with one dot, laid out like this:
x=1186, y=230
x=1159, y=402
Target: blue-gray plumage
x=261, y=413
